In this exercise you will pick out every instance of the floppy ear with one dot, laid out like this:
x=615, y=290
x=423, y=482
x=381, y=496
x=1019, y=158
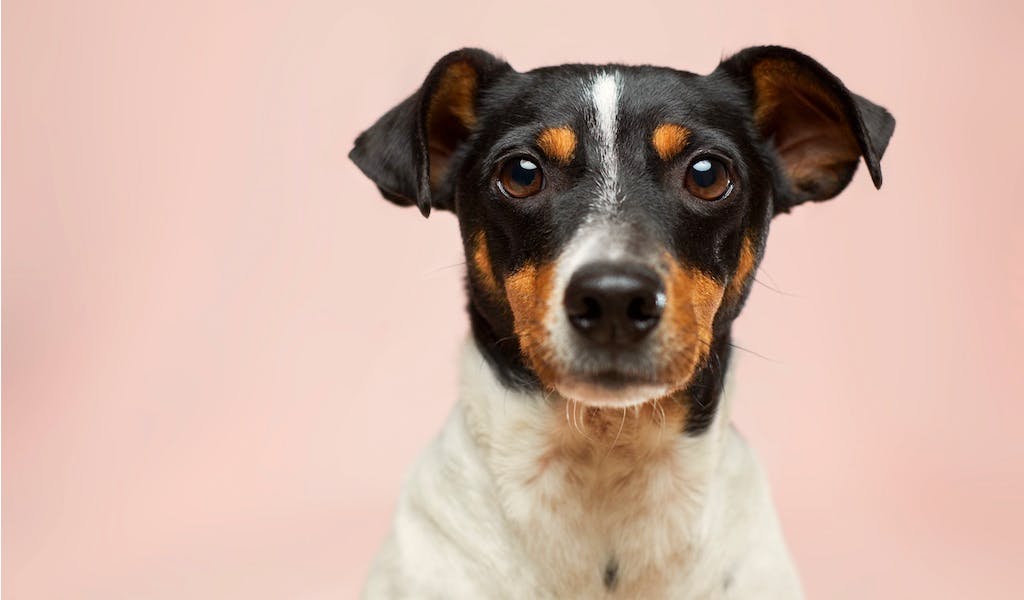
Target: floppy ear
x=819, y=129
x=407, y=151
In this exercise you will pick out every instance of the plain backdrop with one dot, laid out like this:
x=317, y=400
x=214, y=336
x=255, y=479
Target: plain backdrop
x=222, y=349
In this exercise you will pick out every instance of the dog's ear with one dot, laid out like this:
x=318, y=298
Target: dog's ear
x=819, y=129
x=407, y=151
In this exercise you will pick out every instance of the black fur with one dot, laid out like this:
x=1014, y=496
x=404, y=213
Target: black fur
x=610, y=577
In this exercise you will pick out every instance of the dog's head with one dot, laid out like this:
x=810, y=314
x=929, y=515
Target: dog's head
x=613, y=216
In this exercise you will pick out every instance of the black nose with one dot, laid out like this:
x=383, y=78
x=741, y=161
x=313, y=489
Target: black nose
x=613, y=303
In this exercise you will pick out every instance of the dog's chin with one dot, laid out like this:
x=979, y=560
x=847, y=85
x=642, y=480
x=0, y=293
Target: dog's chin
x=605, y=395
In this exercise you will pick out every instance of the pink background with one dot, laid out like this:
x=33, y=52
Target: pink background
x=221, y=348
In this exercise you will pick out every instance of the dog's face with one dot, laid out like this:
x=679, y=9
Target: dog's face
x=613, y=216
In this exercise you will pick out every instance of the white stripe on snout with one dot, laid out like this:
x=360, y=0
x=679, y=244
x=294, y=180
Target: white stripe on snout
x=604, y=95
x=592, y=243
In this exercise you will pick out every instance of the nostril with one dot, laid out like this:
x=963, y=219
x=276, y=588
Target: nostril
x=644, y=311
x=586, y=314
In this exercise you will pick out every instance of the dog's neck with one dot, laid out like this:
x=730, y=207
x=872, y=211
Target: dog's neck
x=623, y=491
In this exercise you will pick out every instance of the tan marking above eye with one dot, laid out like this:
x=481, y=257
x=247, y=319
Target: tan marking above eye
x=669, y=140
x=558, y=143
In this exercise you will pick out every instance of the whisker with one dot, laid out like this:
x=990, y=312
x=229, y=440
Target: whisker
x=582, y=422
x=754, y=353
x=617, y=434
x=567, y=421
x=445, y=268
x=661, y=421
x=504, y=339
x=774, y=285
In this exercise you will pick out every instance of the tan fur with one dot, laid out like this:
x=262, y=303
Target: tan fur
x=453, y=99
x=558, y=143
x=778, y=81
x=528, y=291
x=456, y=93
x=693, y=300
x=483, y=271
x=589, y=435
x=669, y=140
x=744, y=271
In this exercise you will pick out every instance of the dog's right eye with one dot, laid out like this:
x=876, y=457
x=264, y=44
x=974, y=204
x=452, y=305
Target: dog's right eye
x=520, y=176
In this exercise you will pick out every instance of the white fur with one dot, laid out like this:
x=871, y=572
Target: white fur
x=593, y=242
x=605, y=90
x=590, y=394
x=490, y=511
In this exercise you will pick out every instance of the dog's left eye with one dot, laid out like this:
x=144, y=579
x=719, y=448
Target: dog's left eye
x=520, y=176
x=708, y=179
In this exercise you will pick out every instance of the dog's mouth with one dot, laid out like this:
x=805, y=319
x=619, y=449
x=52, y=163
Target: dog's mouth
x=624, y=379
x=611, y=389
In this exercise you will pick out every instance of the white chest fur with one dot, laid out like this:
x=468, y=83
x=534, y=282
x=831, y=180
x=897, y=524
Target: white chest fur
x=523, y=496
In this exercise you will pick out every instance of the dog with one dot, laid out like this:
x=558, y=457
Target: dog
x=612, y=218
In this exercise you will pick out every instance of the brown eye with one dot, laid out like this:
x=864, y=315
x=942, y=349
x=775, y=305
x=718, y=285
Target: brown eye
x=520, y=177
x=708, y=179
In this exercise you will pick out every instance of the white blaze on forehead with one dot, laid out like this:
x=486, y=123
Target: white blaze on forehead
x=605, y=90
